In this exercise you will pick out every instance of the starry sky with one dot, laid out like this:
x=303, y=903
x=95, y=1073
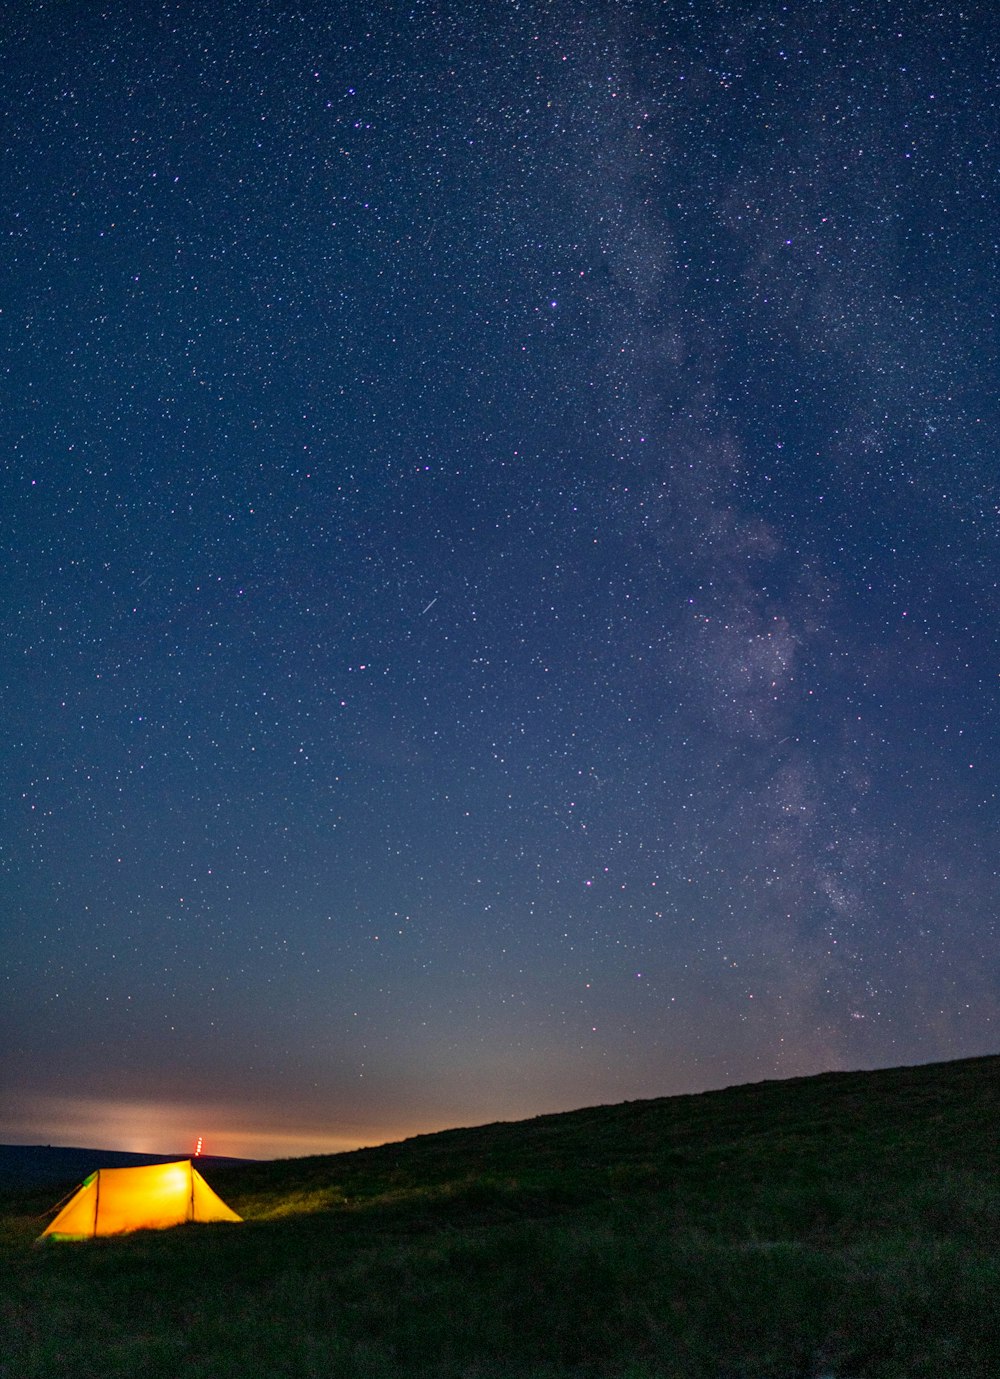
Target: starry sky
x=501, y=580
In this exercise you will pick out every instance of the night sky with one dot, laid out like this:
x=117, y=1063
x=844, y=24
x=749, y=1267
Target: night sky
x=501, y=578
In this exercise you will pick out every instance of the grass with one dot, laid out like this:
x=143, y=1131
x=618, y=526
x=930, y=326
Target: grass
x=843, y=1225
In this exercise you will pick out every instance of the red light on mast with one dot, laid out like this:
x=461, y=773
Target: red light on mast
x=197, y=1147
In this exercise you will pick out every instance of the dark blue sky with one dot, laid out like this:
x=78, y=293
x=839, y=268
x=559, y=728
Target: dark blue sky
x=500, y=550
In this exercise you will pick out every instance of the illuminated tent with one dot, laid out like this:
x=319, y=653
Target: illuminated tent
x=114, y=1200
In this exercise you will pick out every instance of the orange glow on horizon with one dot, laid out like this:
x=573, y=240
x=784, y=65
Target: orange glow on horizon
x=147, y=1127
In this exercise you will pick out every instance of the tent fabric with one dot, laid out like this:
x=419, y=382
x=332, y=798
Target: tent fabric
x=114, y=1200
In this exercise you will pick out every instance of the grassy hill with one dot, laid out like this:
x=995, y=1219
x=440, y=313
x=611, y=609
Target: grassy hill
x=32, y=1165
x=843, y=1225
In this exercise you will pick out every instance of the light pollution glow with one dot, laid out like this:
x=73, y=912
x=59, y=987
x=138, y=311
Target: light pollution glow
x=148, y=1127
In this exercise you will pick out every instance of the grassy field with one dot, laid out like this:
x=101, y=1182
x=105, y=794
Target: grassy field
x=843, y=1225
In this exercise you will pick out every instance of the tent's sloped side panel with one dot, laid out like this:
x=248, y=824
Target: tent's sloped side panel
x=208, y=1205
x=151, y=1198
x=76, y=1220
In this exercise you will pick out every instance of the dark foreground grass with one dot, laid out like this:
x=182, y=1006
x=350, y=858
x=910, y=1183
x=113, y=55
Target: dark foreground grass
x=843, y=1226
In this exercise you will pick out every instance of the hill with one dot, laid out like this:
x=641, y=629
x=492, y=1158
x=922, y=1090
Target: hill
x=842, y=1225
x=28, y=1165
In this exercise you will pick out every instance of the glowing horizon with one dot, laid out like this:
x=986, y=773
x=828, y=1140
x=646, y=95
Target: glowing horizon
x=166, y=1128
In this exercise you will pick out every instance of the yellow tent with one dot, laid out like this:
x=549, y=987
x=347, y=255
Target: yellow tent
x=114, y=1200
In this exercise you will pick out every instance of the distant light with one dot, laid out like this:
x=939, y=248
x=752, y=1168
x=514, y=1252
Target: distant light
x=197, y=1148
